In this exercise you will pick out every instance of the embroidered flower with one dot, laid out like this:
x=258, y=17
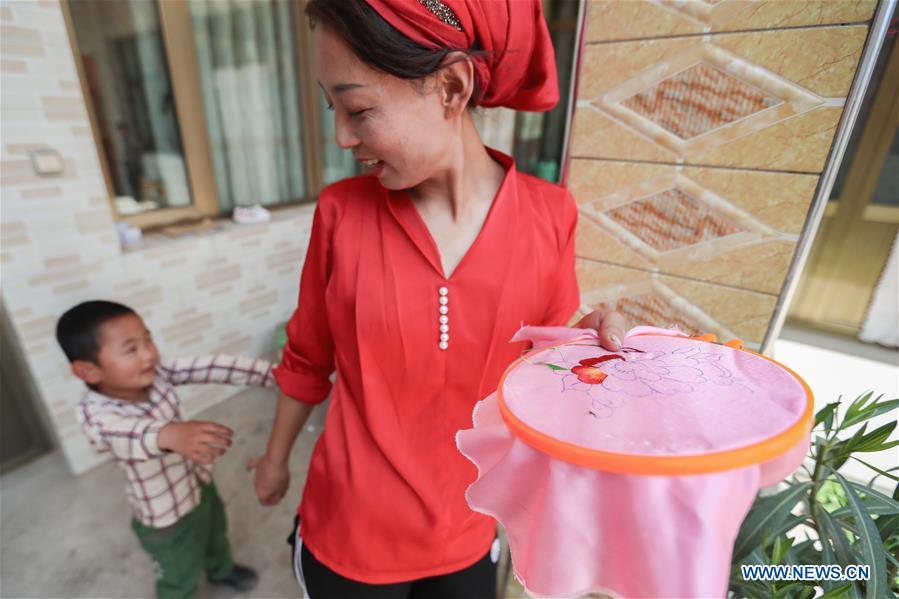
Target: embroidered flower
x=589, y=374
x=587, y=371
x=638, y=374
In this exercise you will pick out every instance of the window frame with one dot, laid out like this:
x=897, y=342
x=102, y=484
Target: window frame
x=177, y=37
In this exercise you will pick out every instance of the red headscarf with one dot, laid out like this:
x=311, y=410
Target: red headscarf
x=519, y=68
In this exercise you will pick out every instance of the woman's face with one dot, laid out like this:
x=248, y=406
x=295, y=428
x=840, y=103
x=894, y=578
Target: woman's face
x=395, y=126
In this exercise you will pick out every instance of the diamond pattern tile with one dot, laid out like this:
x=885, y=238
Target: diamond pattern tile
x=671, y=220
x=653, y=309
x=698, y=100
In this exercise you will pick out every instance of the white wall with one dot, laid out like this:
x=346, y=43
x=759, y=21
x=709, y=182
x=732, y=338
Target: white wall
x=222, y=292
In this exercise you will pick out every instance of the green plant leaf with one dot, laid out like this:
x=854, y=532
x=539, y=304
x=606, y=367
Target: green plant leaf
x=808, y=592
x=782, y=545
x=766, y=515
x=875, y=502
x=787, y=591
x=830, y=495
x=873, y=496
x=876, y=469
x=845, y=554
x=806, y=553
x=871, y=411
x=837, y=592
x=828, y=558
x=553, y=366
x=875, y=440
x=855, y=439
x=873, y=509
x=755, y=590
x=892, y=559
x=870, y=543
x=842, y=450
x=826, y=413
x=876, y=476
x=854, y=409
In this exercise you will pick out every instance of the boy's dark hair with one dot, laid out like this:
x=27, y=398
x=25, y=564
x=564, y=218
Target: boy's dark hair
x=77, y=329
x=379, y=44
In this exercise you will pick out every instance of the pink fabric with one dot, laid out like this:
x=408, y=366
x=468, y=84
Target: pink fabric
x=575, y=530
x=703, y=397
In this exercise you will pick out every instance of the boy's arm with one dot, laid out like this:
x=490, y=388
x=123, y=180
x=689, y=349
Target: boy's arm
x=128, y=438
x=134, y=438
x=220, y=368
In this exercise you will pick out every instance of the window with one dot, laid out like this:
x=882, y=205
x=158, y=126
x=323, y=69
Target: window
x=202, y=106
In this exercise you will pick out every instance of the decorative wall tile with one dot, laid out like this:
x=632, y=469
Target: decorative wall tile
x=671, y=227
x=617, y=20
x=12, y=65
x=672, y=219
x=610, y=21
x=661, y=300
x=799, y=144
x=699, y=99
x=21, y=41
x=760, y=266
x=596, y=134
x=714, y=100
x=736, y=228
x=822, y=60
x=41, y=192
x=779, y=200
x=598, y=243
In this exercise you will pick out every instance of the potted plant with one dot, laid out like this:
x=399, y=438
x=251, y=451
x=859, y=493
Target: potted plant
x=818, y=517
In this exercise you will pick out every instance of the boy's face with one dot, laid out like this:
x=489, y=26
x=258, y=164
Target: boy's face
x=127, y=360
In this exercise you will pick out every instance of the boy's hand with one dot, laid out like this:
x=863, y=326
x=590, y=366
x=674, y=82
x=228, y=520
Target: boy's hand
x=201, y=442
x=271, y=480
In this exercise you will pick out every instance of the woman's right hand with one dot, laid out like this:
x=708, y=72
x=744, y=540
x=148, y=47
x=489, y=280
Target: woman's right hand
x=270, y=480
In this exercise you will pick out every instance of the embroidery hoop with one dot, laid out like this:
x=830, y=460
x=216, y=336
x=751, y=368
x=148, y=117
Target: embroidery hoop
x=623, y=463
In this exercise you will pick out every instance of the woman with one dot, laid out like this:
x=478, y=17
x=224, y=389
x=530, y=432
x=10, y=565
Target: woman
x=416, y=277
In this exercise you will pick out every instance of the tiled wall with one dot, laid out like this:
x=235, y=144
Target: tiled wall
x=700, y=133
x=224, y=292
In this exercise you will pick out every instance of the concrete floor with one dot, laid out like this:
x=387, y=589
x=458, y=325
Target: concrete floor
x=67, y=536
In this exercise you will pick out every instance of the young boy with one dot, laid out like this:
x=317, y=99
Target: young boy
x=131, y=410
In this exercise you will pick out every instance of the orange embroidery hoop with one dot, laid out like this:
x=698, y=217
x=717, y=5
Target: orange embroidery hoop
x=623, y=463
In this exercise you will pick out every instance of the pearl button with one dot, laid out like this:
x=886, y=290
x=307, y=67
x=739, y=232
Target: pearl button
x=443, y=291
x=444, y=309
x=443, y=345
x=444, y=328
x=444, y=337
x=444, y=319
x=444, y=300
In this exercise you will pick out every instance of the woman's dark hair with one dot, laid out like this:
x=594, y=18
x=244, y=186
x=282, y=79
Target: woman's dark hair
x=380, y=45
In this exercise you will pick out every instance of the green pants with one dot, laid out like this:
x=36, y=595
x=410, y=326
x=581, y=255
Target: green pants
x=197, y=542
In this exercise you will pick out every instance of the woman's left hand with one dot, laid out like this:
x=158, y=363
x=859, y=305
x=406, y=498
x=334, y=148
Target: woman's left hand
x=608, y=323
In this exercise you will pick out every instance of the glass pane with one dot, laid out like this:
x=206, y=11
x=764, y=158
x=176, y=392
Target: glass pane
x=338, y=163
x=864, y=110
x=125, y=66
x=539, y=137
x=246, y=51
x=887, y=191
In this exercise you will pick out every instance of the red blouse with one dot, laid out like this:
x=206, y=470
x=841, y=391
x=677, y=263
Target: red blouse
x=385, y=495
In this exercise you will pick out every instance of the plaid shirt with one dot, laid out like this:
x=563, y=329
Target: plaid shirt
x=162, y=486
